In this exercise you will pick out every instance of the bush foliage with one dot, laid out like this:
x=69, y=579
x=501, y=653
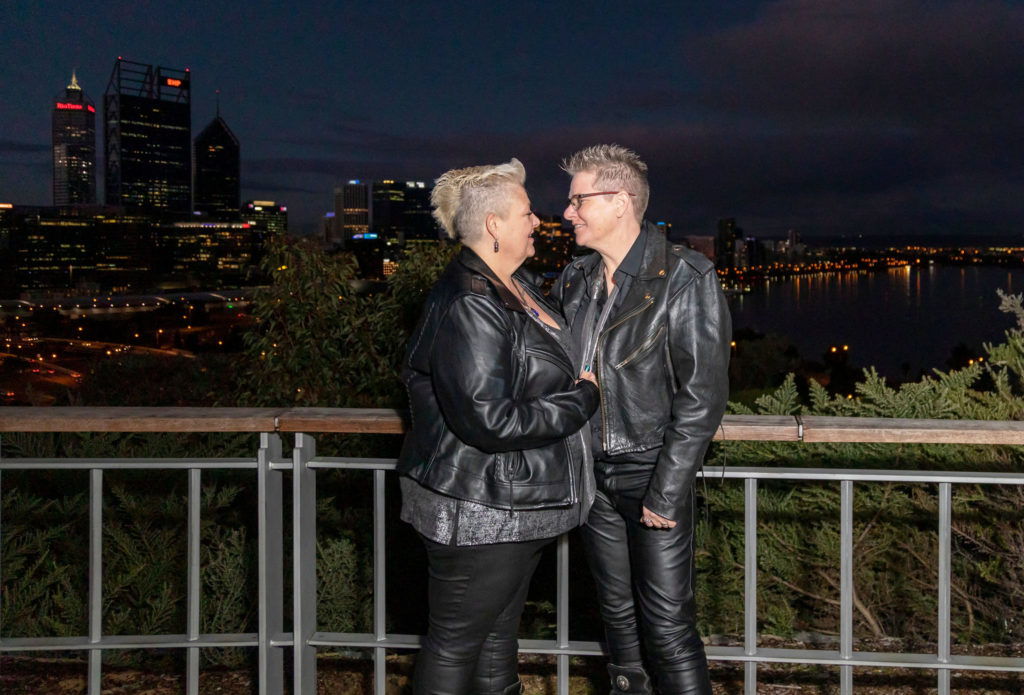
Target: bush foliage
x=895, y=538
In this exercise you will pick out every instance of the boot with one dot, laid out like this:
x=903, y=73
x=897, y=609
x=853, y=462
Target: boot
x=629, y=680
x=692, y=681
x=514, y=689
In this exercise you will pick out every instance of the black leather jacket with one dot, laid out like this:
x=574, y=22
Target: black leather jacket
x=662, y=361
x=496, y=410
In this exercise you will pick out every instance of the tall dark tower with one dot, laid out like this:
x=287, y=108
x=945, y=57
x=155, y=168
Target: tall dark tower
x=148, y=138
x=351, y=212
x=74, y=147
x=725, y=246
x=217, y=169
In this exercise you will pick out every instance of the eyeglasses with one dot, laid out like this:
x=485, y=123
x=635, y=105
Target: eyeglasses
x=577, y=200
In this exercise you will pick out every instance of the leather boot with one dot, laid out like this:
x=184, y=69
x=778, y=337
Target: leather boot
x=692, y=681
x=629, y=680
x=514, y=689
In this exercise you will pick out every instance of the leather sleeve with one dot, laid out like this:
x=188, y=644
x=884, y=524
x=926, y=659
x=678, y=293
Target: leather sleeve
x=474, y=369
x=700, y=331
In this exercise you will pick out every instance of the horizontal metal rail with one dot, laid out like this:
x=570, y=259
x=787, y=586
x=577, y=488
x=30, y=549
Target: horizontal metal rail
x=765, y=428
x=269, y=467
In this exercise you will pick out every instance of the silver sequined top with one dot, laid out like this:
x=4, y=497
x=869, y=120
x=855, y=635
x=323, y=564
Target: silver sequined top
x=450, y=521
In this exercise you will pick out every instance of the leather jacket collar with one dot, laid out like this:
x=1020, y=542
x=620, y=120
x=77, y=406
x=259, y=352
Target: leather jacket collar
x=508, y=298
x=653, y=266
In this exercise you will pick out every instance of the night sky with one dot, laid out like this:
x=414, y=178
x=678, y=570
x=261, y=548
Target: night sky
x=880, y=117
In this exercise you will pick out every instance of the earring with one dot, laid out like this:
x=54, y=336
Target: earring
x=495, y=246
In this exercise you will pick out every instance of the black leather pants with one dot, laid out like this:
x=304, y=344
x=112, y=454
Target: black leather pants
x=645, y=582
x=476, y=596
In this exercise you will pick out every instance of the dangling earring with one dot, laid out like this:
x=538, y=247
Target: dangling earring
x=495, y=246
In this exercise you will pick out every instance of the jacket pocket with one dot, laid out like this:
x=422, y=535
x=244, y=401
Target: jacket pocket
x=644, y=348
x=507, y=465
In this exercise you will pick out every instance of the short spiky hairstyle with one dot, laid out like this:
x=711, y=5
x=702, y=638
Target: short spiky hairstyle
x=462, y=198
x=617, y=168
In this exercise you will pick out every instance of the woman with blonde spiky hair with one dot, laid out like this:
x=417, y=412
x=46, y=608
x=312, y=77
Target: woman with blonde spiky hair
x=493, y=466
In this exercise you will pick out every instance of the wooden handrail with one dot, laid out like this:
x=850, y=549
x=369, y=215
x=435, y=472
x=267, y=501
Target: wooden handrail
x=779, y=428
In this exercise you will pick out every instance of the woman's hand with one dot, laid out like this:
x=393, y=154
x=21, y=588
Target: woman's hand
x=652, y=520
x=588, y=375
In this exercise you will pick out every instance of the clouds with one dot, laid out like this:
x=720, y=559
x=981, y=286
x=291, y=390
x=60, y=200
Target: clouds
x=15, y=147
x=866, y=110
x=910, y=60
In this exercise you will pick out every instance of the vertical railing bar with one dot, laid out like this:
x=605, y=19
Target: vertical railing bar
x=750, y=584
x=95, y=579
x=562, y=612
x=1, y=531
x=194, y=503
x=945, y=571
x=846, y=588
x=1, y=535
x=379, y=584
x=303, y=565
x=270, y=533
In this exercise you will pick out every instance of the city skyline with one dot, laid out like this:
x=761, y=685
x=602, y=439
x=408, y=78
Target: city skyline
x=846, y=116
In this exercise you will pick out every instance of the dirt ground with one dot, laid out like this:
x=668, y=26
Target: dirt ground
x=21, y=675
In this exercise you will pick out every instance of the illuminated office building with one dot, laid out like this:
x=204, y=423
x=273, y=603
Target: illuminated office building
x=387, y=217
x=266, y=214
x=217, y=169
x=386, y=210
x=148, y=138
x=419, y=220
x=74, y=147
x=67, y=250
x=207, y=253
x=351, y=213
x=401, y=211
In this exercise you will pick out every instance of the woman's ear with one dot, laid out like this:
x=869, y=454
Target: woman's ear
x=621, y=203
x=492, y=223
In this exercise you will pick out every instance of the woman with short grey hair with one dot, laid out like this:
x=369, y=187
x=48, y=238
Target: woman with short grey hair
x=493, y=465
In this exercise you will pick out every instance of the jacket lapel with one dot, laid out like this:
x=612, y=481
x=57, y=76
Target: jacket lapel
x=578, y=285
x=476, y=264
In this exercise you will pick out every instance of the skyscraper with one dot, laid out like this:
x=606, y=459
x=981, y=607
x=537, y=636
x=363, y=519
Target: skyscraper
x=273, y=217
x=401, y=211
x=74, y=147
x=351, y=213
x=148, y=138
x=729, y=238
x=217, y=169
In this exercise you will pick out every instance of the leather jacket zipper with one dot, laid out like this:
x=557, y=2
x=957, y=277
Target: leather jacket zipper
x=642, y=307
x=641, y=349
x=572, y=482
x=600, y=377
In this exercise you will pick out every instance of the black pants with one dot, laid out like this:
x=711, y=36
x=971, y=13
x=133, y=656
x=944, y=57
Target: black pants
x=476, y=596
x=645, y=582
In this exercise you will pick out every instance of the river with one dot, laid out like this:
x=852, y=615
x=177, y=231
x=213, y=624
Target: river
x=900, y=320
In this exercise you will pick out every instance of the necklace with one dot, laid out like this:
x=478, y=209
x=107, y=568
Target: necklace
x=522, y=299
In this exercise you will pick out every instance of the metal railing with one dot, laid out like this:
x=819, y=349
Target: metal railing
x=270, y=466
